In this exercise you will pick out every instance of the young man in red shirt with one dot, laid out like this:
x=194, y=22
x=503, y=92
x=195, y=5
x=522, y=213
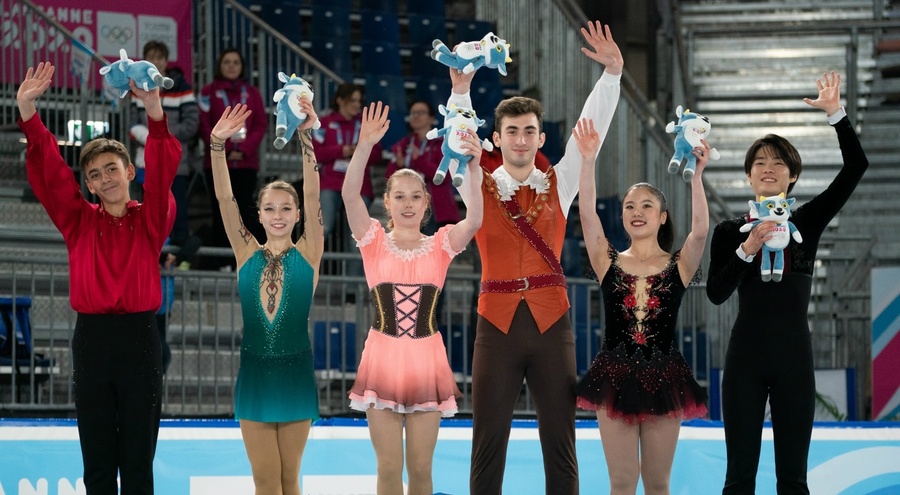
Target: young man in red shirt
x=114, y=283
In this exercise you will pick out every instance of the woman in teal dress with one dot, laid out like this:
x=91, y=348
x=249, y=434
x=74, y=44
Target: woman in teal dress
x=276, y=396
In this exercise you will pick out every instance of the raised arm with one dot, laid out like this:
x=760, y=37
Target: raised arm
x=242, y=241
x=695, y=242
x=588, y=141
x=373, y=127
x=600, y=105
x=36, y=82
x=463, y=231
x=312, y=242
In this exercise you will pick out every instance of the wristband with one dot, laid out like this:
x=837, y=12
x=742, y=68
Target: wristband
x=214, y=146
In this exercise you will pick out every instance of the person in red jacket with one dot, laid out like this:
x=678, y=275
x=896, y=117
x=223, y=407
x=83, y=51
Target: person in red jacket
x=229, y=87
x=114, y=246
x=335, y=143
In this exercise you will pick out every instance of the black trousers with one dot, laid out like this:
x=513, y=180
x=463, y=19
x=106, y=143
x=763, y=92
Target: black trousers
x=547, y=364
x=774, y=364
x=118, y=385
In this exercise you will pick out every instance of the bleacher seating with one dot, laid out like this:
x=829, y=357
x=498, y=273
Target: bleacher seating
x=430, y=7
x=471, y=30
x=376, y=25
x=380, y=57
x=15, y=333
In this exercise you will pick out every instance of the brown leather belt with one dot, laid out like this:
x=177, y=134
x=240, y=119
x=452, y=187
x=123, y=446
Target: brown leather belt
x=524, y=283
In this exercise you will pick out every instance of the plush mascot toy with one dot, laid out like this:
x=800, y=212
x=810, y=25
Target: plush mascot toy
x=288, y=116
x=491, y=52
x=458, y=121
x=145, y=74
x=691, y=128
x=774, y=209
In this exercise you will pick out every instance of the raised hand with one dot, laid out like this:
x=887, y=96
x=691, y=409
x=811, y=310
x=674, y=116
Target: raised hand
x=150, y=99
x=703, y=153
x=605, y=50
x=471, y=144
x=230, y=122
x=587, y=138
x=36, y=82
x=829, y=93
x=461, y=82
x=375, y=123
x=306, y=107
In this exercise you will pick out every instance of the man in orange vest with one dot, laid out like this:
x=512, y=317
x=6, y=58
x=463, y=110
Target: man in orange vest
x=523, y=329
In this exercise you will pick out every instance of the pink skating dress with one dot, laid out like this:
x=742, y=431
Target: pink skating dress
x=404, y=365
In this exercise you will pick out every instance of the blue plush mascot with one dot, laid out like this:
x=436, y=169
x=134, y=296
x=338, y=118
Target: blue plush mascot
x=146, y=76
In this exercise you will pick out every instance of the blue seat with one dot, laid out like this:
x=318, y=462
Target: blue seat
x=609, y=208
x=383, y=5
x=428, y=7
x=15, y=332
x=423, y=29
x=486, y=95
x=331, y=4
x=434, y=91
x=379, y=57
x=554, y=141
x=388, y=89
x=284, y=17
x=471, y=30
x=455, y=340
x=397, y=130
x=334, y=345
x=329, y=22
x=334, y=53
x=379, y=25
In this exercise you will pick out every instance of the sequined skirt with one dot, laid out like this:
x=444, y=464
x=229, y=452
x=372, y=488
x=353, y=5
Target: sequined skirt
x=629, y=387
x=404, y=375
x=276, y=388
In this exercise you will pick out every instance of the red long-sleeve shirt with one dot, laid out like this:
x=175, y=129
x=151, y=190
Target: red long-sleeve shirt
x=113, y=262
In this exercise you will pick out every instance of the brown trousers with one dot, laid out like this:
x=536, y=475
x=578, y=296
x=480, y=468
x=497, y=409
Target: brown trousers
x=547, y=364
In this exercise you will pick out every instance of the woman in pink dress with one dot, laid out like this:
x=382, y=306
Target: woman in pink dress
x=404, y=378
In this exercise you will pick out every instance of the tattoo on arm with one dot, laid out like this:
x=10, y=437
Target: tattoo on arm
x=321, y=220
x=307, y=149
x=242, y=230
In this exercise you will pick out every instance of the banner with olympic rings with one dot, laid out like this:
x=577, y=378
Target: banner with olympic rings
x=101, y=26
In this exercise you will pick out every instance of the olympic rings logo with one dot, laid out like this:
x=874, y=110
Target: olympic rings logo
x=116, y=35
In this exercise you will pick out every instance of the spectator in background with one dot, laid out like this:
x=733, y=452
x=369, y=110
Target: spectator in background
x=335, y=143
x=418, y=153
x=230, y=88
x=183, y=115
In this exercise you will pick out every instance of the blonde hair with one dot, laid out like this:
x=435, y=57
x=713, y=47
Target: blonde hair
x=405, y=172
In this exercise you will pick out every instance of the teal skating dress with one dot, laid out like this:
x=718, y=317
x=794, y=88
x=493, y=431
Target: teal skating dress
x=276, y=380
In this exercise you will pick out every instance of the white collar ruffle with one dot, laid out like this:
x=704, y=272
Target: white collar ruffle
x=507, y=185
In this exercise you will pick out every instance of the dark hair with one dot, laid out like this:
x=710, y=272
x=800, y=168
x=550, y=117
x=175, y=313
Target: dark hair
x=407, y=172
x=217, y=71
x=665, y=237
x=156, y=46
x=426, y=103
x=98, y=146
x=781, y=148
x=518, y=105
x=344, y=91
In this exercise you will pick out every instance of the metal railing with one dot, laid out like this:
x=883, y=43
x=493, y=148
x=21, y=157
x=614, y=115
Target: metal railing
x=205, y=325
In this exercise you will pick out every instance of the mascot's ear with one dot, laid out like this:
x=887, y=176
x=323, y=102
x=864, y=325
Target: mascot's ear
x=282, y=77
x=679, y=111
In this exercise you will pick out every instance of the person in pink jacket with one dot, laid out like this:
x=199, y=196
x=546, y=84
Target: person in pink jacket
x=335, y=143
